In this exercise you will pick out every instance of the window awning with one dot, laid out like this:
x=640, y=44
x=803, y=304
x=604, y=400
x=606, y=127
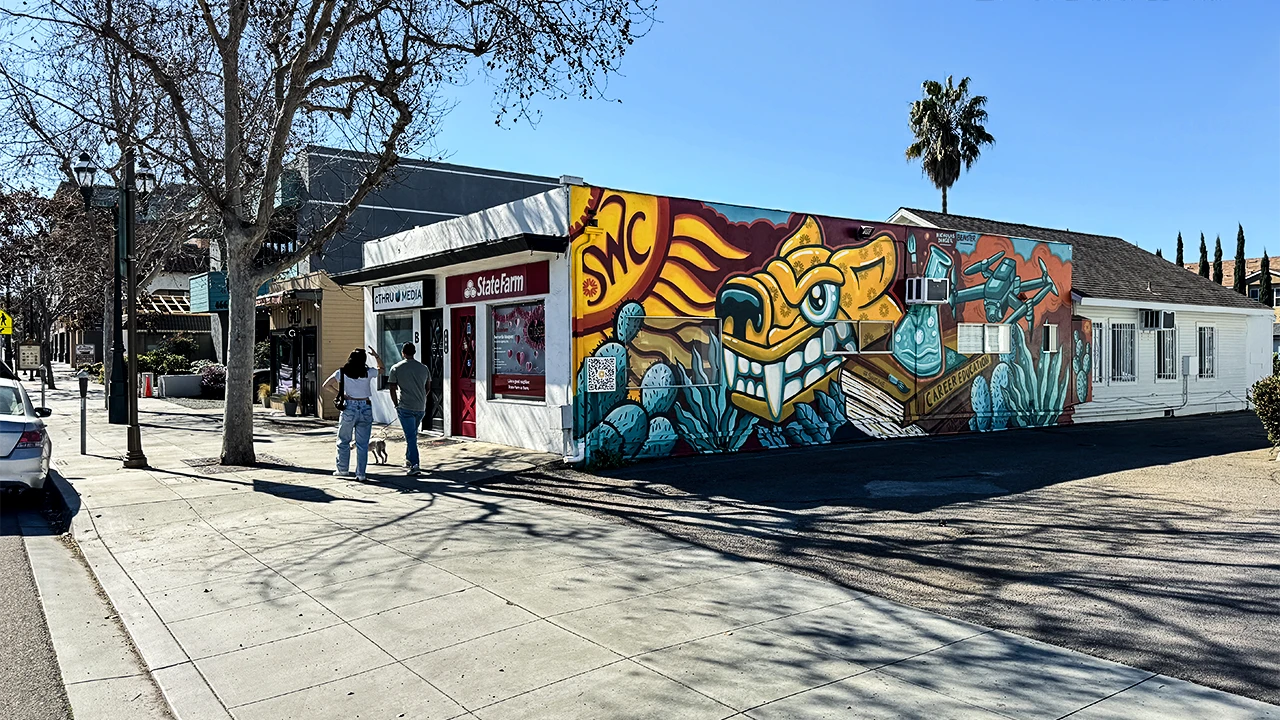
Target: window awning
x=524, y=242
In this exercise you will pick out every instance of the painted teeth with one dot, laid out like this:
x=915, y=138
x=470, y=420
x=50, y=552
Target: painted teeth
x=778, y=382
x=812, y=351
x=773, y=388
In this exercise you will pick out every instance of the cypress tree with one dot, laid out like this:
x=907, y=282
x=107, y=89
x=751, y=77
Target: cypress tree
x=1159, y=253
x=1217, y=261
x=1238, y=280
x=1178, y=257
x=1265, y=296
x=1204, y=258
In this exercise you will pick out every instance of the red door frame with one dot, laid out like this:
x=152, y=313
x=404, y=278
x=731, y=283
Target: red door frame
x=463, y=350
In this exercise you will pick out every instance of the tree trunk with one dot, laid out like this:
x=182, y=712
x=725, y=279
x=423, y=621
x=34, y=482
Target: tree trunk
x=944, y=201
x=237, y=425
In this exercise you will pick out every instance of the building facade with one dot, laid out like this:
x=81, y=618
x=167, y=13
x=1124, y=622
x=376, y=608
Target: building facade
x=1167, y=341
x=610, y=325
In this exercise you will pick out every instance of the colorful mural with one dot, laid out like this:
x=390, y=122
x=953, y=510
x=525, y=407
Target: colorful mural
x=710, y=328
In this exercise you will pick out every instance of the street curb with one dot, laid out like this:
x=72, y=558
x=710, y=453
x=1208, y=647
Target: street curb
x=186, y=691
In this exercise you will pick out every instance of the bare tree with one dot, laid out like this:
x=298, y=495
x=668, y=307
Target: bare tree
x=242, y=87
x=52, y=273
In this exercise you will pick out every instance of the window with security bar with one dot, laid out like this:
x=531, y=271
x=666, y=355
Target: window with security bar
x=1099, y=356
x=1207, y=349
x=1167, y=354
x=1124, y=352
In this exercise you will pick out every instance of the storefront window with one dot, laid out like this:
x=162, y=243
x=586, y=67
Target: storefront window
x=519, y=351
x=396, y=331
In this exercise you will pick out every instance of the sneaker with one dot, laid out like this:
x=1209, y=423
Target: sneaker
x=413, y=471
x=362, y=478
x=345, y=475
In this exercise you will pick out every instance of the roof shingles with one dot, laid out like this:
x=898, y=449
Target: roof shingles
x=1108, y=267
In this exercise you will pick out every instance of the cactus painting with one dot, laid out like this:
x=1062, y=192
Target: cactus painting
x=1020, y=393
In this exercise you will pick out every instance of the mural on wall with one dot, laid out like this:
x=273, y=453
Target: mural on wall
x=710, y=328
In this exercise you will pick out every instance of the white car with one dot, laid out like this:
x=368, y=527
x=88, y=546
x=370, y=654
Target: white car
x=24, y=442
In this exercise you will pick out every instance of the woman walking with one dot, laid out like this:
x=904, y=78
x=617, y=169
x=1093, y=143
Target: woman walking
x=355, y=384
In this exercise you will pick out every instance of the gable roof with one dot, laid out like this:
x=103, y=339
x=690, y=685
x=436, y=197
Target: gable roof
x=1105, y=266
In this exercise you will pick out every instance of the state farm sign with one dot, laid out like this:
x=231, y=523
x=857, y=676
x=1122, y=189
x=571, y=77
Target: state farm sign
x=508, y=282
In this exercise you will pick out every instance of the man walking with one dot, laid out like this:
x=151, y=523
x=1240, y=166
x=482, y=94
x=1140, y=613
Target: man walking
x=408, y=382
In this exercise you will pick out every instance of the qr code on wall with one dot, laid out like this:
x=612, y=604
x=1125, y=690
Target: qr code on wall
x=602, y=374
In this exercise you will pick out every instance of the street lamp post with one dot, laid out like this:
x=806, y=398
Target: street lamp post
x=117, y=389
x=137, y=180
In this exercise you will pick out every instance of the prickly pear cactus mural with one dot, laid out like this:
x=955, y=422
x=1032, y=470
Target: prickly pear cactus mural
x=1081, y=365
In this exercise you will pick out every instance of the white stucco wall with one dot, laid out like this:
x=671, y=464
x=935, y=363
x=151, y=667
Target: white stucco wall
x=1243, y=357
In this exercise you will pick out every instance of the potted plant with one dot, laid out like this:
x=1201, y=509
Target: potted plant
x=264, y=394
x=291, y=402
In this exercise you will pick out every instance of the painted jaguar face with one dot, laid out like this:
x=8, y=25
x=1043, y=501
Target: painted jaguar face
x=778, y=334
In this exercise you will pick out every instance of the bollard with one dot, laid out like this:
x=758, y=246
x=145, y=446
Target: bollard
x=83, y=377
x=40, y=374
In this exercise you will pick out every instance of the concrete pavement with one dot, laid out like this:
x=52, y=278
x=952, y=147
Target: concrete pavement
x=282, y=592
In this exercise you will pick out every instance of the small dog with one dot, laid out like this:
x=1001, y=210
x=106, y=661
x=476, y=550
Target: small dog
x=378, y=449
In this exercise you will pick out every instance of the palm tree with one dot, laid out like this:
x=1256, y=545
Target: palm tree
x=948, y=127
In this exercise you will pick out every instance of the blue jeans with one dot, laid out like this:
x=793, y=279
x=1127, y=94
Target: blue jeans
x=411, y=420
x=357, y=420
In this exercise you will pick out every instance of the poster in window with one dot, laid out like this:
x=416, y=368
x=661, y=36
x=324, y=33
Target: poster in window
x=519, y=350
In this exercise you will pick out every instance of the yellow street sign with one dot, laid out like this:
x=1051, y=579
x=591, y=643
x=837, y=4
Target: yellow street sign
x=6, y=323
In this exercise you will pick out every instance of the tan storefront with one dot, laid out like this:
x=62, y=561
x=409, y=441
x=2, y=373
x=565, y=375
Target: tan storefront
x=314, y=325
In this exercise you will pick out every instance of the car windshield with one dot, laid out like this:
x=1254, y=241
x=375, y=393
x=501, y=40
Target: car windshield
x=11, y=402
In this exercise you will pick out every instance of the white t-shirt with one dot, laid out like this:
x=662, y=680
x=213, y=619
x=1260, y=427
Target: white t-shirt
x=357, y=387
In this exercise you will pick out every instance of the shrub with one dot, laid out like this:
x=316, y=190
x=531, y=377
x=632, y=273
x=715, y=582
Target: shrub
x=213, y=380
x=163, y=363
x=262, y=355
x=198, y=366
x=1265, y=395
x=1275, y=363
x=181, y=344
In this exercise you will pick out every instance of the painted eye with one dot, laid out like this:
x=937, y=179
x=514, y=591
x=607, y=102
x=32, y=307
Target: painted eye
x=821, y=304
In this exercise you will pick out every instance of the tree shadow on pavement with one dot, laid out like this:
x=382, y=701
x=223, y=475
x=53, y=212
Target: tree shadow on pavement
x=1155, y=544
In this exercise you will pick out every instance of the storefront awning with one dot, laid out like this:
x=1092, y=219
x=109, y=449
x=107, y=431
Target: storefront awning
x=524, y=242
x=287, y=297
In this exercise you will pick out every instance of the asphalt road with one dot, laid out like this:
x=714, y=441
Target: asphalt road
x=30, y=681
x=1152, y=543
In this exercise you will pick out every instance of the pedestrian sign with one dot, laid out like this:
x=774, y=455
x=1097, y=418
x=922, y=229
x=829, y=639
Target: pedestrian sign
x=6, y=323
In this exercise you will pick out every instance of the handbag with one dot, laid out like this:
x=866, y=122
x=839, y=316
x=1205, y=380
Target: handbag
x=340, y=402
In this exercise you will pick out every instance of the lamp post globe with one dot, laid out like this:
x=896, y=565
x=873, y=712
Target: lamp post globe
x=144, y=178
x=85, y=170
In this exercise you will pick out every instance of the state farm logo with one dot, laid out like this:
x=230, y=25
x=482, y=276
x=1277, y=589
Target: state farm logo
x=496, y=284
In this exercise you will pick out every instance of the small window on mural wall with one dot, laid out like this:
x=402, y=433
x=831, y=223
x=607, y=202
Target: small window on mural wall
x=519, y=351
x=983, y=338
x=681, y=346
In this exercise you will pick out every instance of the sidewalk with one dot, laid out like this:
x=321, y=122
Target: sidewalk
x=282, y=592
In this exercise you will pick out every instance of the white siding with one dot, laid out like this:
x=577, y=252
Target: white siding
x=1243, y=344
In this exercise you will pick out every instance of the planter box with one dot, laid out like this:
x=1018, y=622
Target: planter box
x=180, y=385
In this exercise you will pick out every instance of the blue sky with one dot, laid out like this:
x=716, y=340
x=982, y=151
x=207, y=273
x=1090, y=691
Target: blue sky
x=1138, y=118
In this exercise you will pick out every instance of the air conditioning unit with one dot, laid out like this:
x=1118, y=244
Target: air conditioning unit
x=1157, y=319
x=928, y=291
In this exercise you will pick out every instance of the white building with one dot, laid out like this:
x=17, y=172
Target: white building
x=447, y=286
x=1166, y=341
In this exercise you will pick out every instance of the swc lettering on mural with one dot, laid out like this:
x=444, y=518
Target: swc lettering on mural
x=731, y=328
